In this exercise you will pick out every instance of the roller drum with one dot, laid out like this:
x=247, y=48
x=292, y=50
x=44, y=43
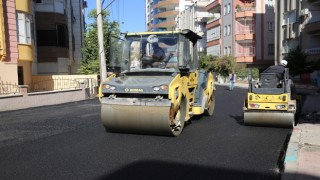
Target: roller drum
x=272, y=119
x=137, y=119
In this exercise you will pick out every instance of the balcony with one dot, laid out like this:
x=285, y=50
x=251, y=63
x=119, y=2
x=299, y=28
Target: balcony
x=242, y=37
x=214, y=6
x=242, y=12
x=244, y=33
x=25, y=52
x=167, y=24
x=245, y=53
x=166, y=4
x=313, y=26
x=213, y=23
x=166, y=14
x=213, y=43
x=244, y=59
x=313, y=51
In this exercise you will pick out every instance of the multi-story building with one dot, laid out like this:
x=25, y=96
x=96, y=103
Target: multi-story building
x=162, y=15
x=39, y=37
x=193, y=15
x=243, y=29
x=298, y=24
x=17, y=44
x=59, y=28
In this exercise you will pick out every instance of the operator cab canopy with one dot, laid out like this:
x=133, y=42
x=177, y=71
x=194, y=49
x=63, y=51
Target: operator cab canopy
x=155, y=51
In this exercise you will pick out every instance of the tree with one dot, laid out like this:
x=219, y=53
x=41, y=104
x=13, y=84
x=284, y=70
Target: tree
x=90, y=62
x=206, y=62
x=224, y=65
x=297, y=62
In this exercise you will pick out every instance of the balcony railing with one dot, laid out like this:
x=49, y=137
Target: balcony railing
x=313, y=51
x=242, y=9
x=247, y=51
x=315, y=17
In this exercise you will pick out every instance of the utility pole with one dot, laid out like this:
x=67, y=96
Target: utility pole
x=102, y=55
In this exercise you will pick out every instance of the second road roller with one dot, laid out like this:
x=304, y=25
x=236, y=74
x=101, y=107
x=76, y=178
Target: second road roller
x=273, y=100
x=156, y=86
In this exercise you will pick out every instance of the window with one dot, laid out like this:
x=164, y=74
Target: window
x=225, y=30
x=229, y=8
x=270, y=49
x=229, y=50
x=229, y=30
x=270, y=26
x=225, y=51
x=62, y=35
x=24, y=27
x=225, y=10
x=58, y=37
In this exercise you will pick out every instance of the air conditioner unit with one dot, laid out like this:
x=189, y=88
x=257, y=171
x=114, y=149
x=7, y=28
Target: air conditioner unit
x=304, y=12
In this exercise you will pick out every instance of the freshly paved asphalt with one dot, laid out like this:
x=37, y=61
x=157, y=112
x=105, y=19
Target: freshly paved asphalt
x=68, y=142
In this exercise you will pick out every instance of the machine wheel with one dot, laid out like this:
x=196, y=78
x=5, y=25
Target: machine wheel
x=210, y=108
x=179, y=119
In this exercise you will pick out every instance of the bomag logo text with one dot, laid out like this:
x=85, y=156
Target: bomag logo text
x=134, y=90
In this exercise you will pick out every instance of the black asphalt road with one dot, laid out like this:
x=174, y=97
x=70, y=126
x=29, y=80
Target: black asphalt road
x=68, y=142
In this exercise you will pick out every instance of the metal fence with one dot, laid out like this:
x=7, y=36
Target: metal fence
x=7, y=88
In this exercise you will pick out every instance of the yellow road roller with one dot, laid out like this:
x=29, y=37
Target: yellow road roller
x=272, y=101
x=157, y=85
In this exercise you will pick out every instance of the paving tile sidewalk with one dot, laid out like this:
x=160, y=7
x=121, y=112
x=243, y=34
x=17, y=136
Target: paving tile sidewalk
x=302, y=160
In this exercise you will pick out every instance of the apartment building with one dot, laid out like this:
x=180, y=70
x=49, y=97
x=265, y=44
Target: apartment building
x=161, y=15
x=243, y=29
x=59, y=27
x=298, y=23
x=17, y=44
x=39, y=37
x=193, y=15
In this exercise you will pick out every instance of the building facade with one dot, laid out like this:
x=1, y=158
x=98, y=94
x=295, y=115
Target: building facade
x=298, y=23
x=17, y=45
x=161, y=15
x=193, y=16
x=39, y=37
x=243, y=29
x=59, y=27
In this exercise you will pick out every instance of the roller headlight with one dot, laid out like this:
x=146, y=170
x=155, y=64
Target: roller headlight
x=162, y=87
x=280, y=106
x=108, y=87
x=254, y=105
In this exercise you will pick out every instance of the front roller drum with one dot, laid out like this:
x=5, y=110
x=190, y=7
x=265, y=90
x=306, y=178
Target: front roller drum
x=141, y=119
x=272, y=119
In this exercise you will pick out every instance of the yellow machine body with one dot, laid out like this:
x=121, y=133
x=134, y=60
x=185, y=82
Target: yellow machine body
x=156, y=100
x=272, y=103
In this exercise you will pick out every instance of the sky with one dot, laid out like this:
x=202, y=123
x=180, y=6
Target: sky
x=129, y=13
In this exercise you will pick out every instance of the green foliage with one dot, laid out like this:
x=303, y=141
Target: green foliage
x=297, y=62
x=243, y=71
x=90, y=51
x=206, y=62
x=224, y=65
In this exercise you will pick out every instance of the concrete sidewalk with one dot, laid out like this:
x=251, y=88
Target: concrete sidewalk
x=302, y=160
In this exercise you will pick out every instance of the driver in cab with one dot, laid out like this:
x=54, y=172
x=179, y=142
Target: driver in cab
x=157, y=53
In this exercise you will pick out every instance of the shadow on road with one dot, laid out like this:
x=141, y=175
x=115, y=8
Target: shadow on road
x=239, y=119
x=152, y=169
